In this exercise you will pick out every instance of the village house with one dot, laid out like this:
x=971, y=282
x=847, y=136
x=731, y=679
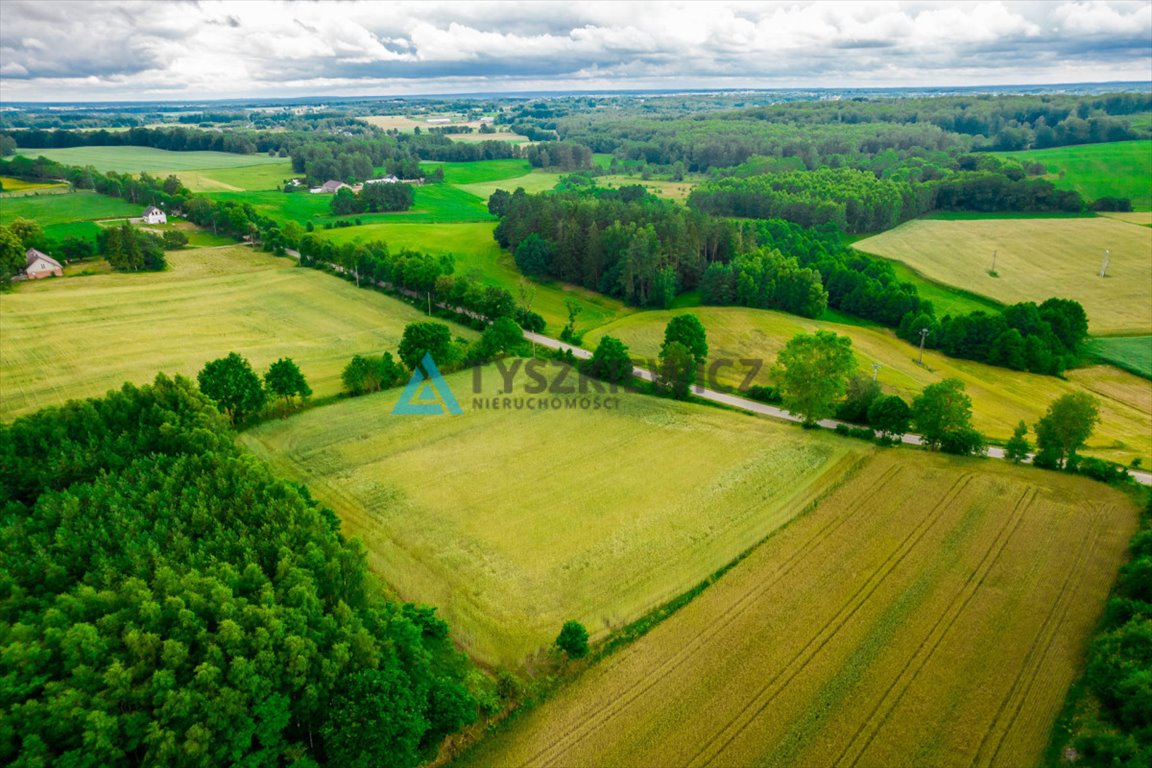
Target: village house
x=38, y=265
x=153, y=215
x=329, y=188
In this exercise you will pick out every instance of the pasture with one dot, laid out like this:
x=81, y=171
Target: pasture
x=930, y=612
x=1036, y=259
x=477, y=254
x=1000, y=397
x=82, y=205
x=18, y=187
x=1132, y=353
x=1115, y=169
x=79, y=337
x=514, y=521
x=146, y=159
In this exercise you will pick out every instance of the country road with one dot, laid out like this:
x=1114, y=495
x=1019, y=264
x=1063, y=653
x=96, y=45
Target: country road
x=753, y=406
x=723, y=398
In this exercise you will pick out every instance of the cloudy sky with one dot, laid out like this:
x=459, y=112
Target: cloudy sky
x=167, y=49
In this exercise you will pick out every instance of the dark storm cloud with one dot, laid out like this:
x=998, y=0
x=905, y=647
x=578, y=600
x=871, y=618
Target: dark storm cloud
x=115, y=49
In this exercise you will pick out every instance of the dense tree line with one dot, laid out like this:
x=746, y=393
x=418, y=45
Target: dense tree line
x=560, y=155
x=765, y=279
x=622, y=242
x=168, y=601
x=176, y=139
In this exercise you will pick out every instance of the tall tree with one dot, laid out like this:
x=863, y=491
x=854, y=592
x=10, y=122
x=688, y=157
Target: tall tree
x=232, y=384
x=1066, y=427
x=942, y=412
x=420, y=339
x=677, y=371
x=610, y=361
x=1018, y=447
x=689, y=331
x=285, y=380
x=813, y=370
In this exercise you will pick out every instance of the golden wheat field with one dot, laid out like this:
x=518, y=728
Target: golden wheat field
x=1035, y=259
x=931, y=612
x=512, y=522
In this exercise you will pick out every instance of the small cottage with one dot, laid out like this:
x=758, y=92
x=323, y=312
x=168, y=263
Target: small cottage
x=153, y=215
x=38, y=265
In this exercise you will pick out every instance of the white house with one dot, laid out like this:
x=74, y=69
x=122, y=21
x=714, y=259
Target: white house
x=153, y=215
x=386, y=180
x=38, y=265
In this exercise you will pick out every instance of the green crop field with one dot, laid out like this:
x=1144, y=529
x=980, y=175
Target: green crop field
x=945, y=299
x=154, y=161
x=70, y=338
x=1115, y=169
x=262, y=177
x=12, y=186
x=928, y=613
x=1035, y=260
x=1132, y=353
x=482, y=170
x=1000, y=397
x=51, y=210
x=530, y=518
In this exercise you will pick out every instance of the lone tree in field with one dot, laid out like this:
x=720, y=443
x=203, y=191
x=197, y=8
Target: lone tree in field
x=573, y=640
x=677, y=371
x=610, y=361
x=890, y=415
x=425, y=338
x=285, y=380
x=1066, y=427
x=233, y=385
x=689, y=331
x=1017, y=448
x=943, y=415
x=813, y=371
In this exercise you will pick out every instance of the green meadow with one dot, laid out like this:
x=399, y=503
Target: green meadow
x=1132, y=353
x=1117, y=169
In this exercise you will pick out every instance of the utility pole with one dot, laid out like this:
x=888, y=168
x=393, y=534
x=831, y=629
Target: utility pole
x=923, y=335
x=1104, y=265
x=429, y=303
x=875, y=370
x=994, y=262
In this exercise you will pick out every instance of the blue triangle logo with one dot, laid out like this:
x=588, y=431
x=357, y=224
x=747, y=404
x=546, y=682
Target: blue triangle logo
x=416, y=400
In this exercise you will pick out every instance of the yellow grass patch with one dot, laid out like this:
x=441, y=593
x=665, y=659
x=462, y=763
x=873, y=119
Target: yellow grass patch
x=1036, y=259
x=930, y=612
x=512, y=522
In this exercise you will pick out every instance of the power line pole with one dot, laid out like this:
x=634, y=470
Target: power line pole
x=923, y=335
x=993, y=270
x=875, y=370
x=1104, y=265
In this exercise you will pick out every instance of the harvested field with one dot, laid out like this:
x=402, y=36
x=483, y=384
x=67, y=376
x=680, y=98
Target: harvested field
x=929, y=613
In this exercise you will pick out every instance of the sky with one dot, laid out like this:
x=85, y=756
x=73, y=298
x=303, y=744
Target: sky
x=98, y=50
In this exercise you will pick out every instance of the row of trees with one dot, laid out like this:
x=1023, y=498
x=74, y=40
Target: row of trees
x=129, y=249
x=173, y=603
x=240, y=393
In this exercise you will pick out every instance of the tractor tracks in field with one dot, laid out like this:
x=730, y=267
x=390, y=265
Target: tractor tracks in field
x=767, y=693
x=548, y=755
x=1026, y=677
x=896, y=690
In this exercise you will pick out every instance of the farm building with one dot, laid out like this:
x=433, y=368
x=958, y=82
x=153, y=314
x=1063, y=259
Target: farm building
x=329, y=188
x=153, y=215
x=386, y=180
x=38, y=265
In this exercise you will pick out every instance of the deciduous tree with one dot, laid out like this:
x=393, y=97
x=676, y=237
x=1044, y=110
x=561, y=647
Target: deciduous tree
x=1067, y=426
x=813, y=372
x=232, y=384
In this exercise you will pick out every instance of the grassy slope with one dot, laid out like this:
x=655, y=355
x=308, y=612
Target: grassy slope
x=1117, y=169
x=1036, y=260
x=512, y=522
x=1000, y=397
x=50, y=210
x=930, y=612
x=79, y=337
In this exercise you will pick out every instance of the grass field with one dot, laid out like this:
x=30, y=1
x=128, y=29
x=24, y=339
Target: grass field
x=80, y=337
x=261, y=177
x=928, y=613
x=483, y=170
x=512, y=522
x=673, y=190
x=83, y=205
x=536, y=181
x=478, y=254
x=1132, y=353
x=1117, y=169
x=1000, y=397
x=1036, y=259
x=154, y=161
x=945, y=299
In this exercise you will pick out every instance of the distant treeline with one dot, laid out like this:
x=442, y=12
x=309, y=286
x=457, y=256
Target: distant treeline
x=171, y=602
x=858, y=202
x=868, y=134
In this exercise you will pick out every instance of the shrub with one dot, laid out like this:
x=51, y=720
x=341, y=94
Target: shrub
x=573, y=640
